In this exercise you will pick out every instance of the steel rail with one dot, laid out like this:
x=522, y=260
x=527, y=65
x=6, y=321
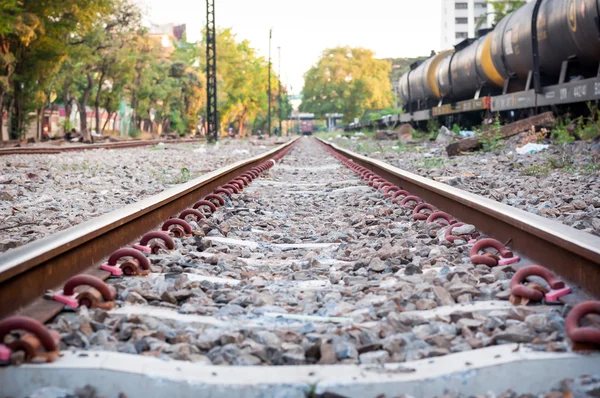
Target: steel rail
x=27, y=272
x=573, y=254
x=45, y=150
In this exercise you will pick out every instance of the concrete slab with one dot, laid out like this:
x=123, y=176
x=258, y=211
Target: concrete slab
x=283, y=246
x=493, y=369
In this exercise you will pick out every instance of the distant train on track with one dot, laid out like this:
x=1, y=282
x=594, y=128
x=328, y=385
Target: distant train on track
x=544, y=55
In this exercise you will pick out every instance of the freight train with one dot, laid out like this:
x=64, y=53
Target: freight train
x=545, y=55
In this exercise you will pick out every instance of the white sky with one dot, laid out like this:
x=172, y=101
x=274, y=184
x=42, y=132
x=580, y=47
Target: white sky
x=304, y=28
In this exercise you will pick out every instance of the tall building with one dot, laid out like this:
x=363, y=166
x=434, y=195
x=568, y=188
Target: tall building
x=167, y=35
x=461, y=19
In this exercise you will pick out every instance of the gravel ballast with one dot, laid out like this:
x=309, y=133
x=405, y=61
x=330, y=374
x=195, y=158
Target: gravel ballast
x=561, y=183
x=44, y=194
x=311, y=266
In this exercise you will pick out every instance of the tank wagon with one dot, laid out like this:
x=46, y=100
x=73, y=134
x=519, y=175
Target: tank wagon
x=544, y=55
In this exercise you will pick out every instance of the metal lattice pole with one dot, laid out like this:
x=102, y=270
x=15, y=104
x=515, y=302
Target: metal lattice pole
x=211, y=73
x=269, y=87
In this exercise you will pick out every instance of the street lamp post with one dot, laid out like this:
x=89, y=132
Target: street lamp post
x=279, y=95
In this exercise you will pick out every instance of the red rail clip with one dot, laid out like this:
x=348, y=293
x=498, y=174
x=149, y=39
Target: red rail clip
x=91, y=298
x=38, y=343
x=578, y=334
x=521, y=294
x=489, y=259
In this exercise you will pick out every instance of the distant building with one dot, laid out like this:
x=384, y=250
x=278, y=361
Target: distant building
x=167, y=35
x=461, y=19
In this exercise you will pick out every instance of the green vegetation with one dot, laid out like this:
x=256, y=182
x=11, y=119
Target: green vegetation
x=97, y=53
x=401, y=65
x=349, y=81
x=378, y=114
x=431, y=163
x=561, y=133
x=491, y=140
x=536, y=170
x=504, y=7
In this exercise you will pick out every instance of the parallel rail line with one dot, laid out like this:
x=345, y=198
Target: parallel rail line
x=49, y=150
x=26, y=273
x=571, y=253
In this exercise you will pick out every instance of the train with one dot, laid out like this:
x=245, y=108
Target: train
x=306, y=127
x=543, y=56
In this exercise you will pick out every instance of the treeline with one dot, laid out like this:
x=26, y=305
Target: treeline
x=96, y=53
x=349, y=81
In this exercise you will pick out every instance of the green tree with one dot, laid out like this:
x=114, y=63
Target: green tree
x=349, y=81
x=33, y=34
x=504, y=7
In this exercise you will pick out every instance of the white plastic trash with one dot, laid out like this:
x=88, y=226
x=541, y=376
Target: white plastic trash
x=532, y=148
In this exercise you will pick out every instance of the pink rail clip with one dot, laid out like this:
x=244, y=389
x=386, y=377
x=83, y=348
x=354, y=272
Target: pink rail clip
x=5, y=353
x=70, y=301
x=114, y=271
x=553, y=295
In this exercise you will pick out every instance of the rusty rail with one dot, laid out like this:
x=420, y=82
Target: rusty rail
x=46, y=150
x=573, y=254
x=26, y=273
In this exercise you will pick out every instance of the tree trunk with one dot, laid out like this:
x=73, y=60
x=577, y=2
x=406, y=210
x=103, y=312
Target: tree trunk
x=1, y=115
x=52, y=110
x=38, y=124
x=115, y=122
x=106, y=122
x=241, y=128
x=97, y=100
x=11, y=111
x=18, y=121
x=87, y=137
x=68, y=104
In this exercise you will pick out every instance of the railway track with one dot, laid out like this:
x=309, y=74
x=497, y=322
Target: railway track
x=324, y=271
x=86, y=147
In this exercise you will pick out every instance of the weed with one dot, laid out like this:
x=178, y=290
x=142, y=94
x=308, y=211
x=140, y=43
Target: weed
x=134, y=133
x=560, y=162
x=561, y=133
x=431, y=163
x=456, y=129
x=433, y=127
x=591, y=168
x=185, y=174
x=491, y=140
x=536, y=170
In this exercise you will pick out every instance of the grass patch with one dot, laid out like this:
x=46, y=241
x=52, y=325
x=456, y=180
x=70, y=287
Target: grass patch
x=431, y=163
x=536, y=170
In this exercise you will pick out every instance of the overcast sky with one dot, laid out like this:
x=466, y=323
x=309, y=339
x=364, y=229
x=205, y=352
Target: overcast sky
x=304, y=28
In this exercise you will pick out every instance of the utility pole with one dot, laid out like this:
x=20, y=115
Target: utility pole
x=279, y=95
x=269, y=84
x=212, y=126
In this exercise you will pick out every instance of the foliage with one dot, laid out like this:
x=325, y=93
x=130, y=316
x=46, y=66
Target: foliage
x=561, y=133
x=589, y=127
x=96, y=54
x=349, y=81
x=491, y=140
x=34, y=38
x=401, y=65
x=378, y=114
x=433, y=127
x=431, y=163
x=502, y=8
